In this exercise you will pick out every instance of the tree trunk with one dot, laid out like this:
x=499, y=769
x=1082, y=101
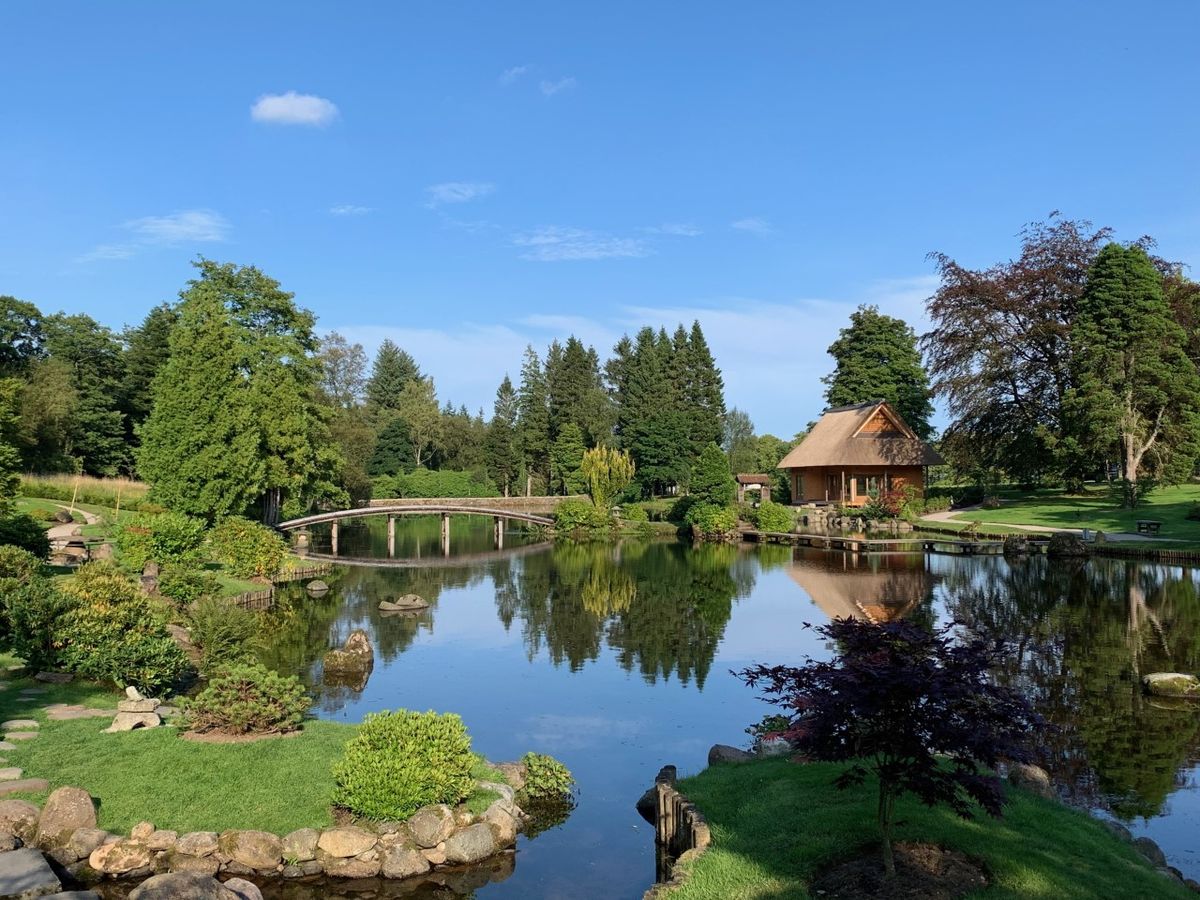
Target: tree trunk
x=886, y=807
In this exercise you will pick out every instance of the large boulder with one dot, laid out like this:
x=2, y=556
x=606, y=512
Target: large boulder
x=252, y=849
x=355, y=655
x=301, y=845
x=503, y=823
x=1172, y=684
x=472, y=844
x=197, y=843
x=1031, y=778
x=402, y=861
x=182, y=886
x=85, y=840
x=365, y=866
x=1016, y=545
x=346, y=840
x=1150, y=851
x=723, y=753
x=430, y=825
x=245, y=890
x=66, y=809
x=120, y=857
x=19, y=817
x=26, y=874
x=196, y=865
x=1066, y=545
x=407, y=603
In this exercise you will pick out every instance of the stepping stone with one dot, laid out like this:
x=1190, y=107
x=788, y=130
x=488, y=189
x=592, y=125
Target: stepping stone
x=53, y=677
x=23, y=786
x=25, y=873
x=7, y=745
x=18, y=724
x=10, y=774
x=20, y=735
x=62, y=713
x=27, y=692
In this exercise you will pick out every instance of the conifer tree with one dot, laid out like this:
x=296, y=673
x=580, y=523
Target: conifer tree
x=393, y=452
x=392, y=370
x=500, y=448
x=649, y=420
x=704, y=395
x=533, y=418
x=711, y=481
x=566, y=458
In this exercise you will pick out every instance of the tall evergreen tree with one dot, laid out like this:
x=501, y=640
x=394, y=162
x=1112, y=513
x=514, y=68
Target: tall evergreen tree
x=877, y=359
x=576, y=392
x=21, y=335
x=501, y=448
x=393, y=451
x=533, y=419
x=146, y=350
x=392, y=370
x=1136, y=389
x=649, y=420
x=703, y=390
x=711, y=481
x=566, y=459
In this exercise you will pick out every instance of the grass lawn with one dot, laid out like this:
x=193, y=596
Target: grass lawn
x=965, y=523
x=276, y=785
x=776, y=824
x=1097, y=511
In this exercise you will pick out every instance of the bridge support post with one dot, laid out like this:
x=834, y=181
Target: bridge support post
x=333, y=536
x=445, y=534
x=391, y=536
x=499, y=522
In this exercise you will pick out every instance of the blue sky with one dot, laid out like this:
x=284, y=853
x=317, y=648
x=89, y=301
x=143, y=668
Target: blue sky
x=469, y=177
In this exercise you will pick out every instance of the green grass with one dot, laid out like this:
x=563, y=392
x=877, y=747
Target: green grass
x=275, y=785
x=776, y=825
x=1097, y=510
x=965, y=523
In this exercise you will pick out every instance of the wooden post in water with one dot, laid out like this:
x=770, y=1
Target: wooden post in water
x=499, y=533
x=333, y=537
x=445, y=534
x=391, y=536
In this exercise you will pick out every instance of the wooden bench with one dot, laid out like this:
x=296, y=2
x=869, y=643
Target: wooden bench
x=1148, y=526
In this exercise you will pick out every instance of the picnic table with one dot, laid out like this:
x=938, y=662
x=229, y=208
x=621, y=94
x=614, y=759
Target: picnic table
x=1148, y=526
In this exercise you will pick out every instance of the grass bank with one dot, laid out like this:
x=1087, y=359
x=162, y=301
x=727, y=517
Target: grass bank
x=776, y=825
x=276, y=785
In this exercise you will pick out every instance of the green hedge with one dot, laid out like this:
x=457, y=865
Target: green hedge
x=433, y=483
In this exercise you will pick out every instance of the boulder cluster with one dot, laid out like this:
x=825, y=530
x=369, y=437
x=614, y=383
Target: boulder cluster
x=65, y=830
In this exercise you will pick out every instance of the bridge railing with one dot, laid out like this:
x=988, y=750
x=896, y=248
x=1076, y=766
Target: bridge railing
x=518, y=504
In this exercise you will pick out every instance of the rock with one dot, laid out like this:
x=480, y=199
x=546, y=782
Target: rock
x=723, y=753
x=403, y=862
x=128, y=721
x=132, y=693
x=254, y=849
x=1066, y=545
x=73, y=895
x=53, y=677
x=430, y=825
x=120, y=857
x=18, y=725
x=316, y=587
x=355, y=655
x=137, y=706
x=9, y=842
x=197, y=843
x=514, y=772
x=502, y=822
x=19, y=817
x=497, y=788
x=162, y=840
x=346, y=840
x=197, y=865
x=1016, y=545
x=1118, y=830
x=67, y=809
x=1150, y=850
x=290, y=871
x=470, y=845
x=24, y=786
x=365, y=866
x=26, y=874
x=301, y=845
x=246, y=890
x=85, y=840
x=182, y=886
x=141, y=831
x=1031, y=778
x=312, y=867
x=1172, y=684
x=63, y=516
x=1169, y=872
x=773, y=746
x=20, y=735
x=10, y=774
x=435, y=856
x=407, y=603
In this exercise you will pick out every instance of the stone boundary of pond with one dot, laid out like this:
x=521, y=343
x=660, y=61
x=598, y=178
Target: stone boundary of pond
x=681, y=834
x=434, y=837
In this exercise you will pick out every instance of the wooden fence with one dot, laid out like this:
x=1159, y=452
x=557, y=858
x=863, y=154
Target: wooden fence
x=681, y=833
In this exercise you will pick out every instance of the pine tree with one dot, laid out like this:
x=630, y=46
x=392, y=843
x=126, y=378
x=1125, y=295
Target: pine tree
x=533, y=418
x=146, y=350
x=649, y=420
x=877, y=359
x=566, y=458
x=1136, y=389
x=704, y=392
x=711, y=481
x=501, y=452
x=392, y=370
x=393, y=451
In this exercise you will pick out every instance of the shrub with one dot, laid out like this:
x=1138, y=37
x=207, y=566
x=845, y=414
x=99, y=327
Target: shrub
x=580, y=515
x=19, y=564
x=634, y=512
x=680, y=508
x=114, y=632
x=165, y=538
x=774, y=517
x=224, y=632
x=434, y=483
x=710, y=521
x=247, y=548
x=34, y=609
x=1193, y=514
x=403, y=760
x=26, y=532
x=608, y=473
x=936, y=504
x=546, y=779
x=248, y=698
x=711, y=480
x=186, y=586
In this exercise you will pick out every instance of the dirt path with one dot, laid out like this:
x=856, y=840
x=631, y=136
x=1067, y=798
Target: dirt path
x=66, y=531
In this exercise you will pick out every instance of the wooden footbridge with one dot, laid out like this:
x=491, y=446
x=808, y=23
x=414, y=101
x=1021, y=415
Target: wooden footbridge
x=914, y=544
x=501, y=509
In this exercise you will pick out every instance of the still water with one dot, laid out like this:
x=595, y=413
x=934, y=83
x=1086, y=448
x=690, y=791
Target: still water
x=617, y=659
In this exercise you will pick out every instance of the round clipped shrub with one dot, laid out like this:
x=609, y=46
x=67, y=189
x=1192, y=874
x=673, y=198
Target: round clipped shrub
x=634, y=512
x=247, y=548
x=18, y=563
x=24, y=531
x=580, y=515
x=774, y=517
x=165, y=538
x=546, y=779
x=403, y=760
x=247, y=698
x=711, y=521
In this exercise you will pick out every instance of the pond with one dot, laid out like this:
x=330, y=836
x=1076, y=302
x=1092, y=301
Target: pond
x=616, y=658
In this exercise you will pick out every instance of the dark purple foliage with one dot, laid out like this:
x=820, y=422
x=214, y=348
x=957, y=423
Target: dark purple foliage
x=915, y=707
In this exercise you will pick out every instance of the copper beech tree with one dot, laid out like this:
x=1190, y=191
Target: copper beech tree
x=916, y=708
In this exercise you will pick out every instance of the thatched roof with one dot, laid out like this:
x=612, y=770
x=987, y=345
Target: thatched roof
x=839, y=439
x=753, y=479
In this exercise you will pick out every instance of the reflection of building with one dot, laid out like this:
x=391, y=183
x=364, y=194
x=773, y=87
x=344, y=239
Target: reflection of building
x=880, y=589
x=855, y=453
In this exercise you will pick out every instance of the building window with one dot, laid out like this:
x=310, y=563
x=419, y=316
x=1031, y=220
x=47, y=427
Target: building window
x=866, y=485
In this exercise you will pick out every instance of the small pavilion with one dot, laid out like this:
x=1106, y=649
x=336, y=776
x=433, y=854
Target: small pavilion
x=759, y=483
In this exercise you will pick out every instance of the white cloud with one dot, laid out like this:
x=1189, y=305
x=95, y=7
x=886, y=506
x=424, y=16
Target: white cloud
x=191, y=225
x=675, y=229
x=550, y=88
x=753, y=224
x=349, y=209
x=508, y=76
x=553, y=244
x=457, y=192
x=294, y=109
